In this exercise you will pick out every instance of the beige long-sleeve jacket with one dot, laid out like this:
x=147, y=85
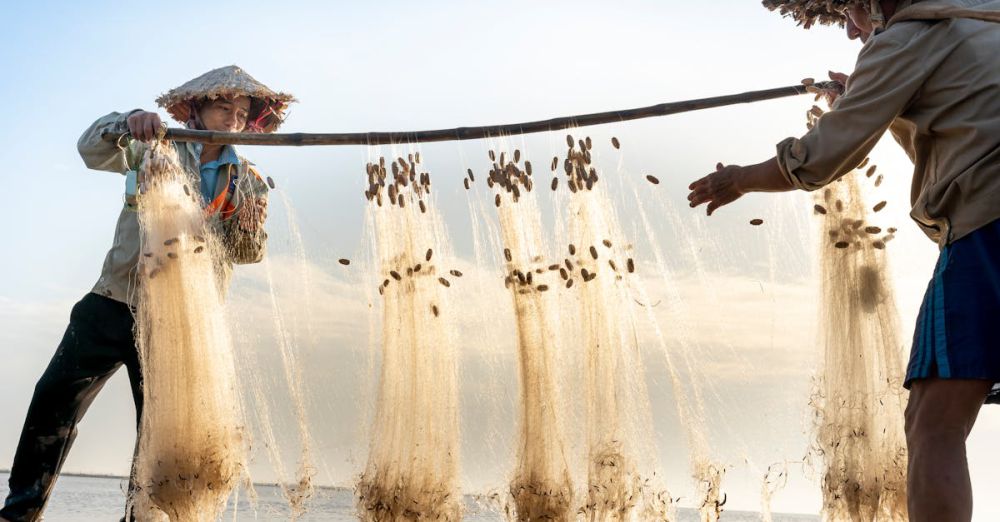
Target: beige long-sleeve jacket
x=119, y=279
x=932, y=78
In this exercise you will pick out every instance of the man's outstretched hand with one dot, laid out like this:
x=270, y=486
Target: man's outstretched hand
x=728, y=183
x=719, y=188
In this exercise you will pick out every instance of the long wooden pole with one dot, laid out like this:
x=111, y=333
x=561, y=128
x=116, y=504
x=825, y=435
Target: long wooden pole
x=471, y=133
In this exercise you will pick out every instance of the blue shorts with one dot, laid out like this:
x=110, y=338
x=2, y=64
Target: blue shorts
x=958, y=330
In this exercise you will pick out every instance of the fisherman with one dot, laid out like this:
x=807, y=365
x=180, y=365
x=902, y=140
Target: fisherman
x=99, y=338
x=929, y=71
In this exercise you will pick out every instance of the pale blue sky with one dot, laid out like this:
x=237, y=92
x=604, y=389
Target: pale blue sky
x=359, y=66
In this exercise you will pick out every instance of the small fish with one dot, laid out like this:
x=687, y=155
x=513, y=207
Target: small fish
x=270, y=182
x=652, y=179
x=187, y=191
x=569, y=140
x=497, y=200
x=555, y=183
x=879, y=206
x=423, y=208
x=615, y=143
x=585, y=273
x=434, y=310
x=517, y=155
x=344, y=261
x=878, y=180
x=840, y=206
x=506, y=255
x=444, y=282
x=493, y=155
x=171, y=255
x=455, y=273
x=572, y=249
x=170, y=241
x=612, y=264
x=395, y=275
x=756, y=222
x=563, y=273
x=841, y=244
x=606, y=243
x=465, y=181
x=878, y=244
x=542, y=288
x=527, y=167
x=820, y=209
x=871, y=170
x=199, y=249
x=553, y=268
x=569, y=283
x=589, y=143
x=417, y=267
x=555, y=163
x=593, y=252
x=863, y=163
x=630, y=264
x=430, y=253
x=873, y=230
x=569, y=265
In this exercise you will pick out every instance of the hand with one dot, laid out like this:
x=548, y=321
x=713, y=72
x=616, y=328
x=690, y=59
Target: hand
x=144, y=125
x=252, y=214
x=719, y=188
x=832, y=95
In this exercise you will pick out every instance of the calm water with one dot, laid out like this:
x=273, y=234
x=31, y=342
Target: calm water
x=100, y=499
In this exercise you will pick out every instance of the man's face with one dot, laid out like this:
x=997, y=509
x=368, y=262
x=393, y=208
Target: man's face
x=859, y=23
x=226, y=115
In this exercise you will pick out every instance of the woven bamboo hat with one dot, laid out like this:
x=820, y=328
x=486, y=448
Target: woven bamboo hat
x=825, y=12
x=267, y=107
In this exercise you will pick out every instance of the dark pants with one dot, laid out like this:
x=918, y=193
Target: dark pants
x=98, y=340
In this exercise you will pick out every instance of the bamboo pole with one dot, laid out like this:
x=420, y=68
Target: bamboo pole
x=471, y=133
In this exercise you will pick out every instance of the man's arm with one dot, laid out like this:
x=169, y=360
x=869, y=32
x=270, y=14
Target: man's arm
x=886, y=80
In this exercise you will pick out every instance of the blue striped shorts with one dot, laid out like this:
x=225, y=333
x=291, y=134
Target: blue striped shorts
x=958, y=330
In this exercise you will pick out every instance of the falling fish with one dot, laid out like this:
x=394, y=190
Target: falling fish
x=630, y=264
x=430, y=253
x=569, y=140
x=417, y=267
x=607, y=243
x=841, y=244
x=542, y=288
x=652, y=179
x=820, y=209
x=199, y=249
x=555, y=183
x=878, y=180
x=873, y=230
x=506, y=255
x=878, y=244
x=171, y=255
x=395, y=275
x=170, y=241
x=572, y=249
x=497, y=200
x=344, y=262
x=871, y=170
x=465, y=182
x=434, y=310
x=569, y=283
x=879, y=206
x=444, y=282
x=270, y=182
x=423, y=208
x=593, y=252
x=455, y=273
x=615, y=143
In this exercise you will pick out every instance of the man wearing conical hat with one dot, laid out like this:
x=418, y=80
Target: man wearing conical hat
x=99, y=338
x=929, y=71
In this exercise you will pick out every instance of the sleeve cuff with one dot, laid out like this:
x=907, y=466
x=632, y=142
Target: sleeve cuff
x=792, y=155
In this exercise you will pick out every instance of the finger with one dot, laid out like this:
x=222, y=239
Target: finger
x=719, y=166
x=147, y=129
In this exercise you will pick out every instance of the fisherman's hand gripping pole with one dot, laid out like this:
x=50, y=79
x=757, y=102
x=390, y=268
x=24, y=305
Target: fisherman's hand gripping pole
x=471, y=133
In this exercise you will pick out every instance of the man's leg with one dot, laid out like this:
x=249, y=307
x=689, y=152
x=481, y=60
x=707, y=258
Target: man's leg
x=87, y=356
x=939, y=417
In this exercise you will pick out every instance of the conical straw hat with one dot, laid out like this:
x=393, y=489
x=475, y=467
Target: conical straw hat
x=266, y=109
x=809, y=12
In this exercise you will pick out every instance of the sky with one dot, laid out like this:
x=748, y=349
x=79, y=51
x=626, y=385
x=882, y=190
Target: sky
x=402, y=66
